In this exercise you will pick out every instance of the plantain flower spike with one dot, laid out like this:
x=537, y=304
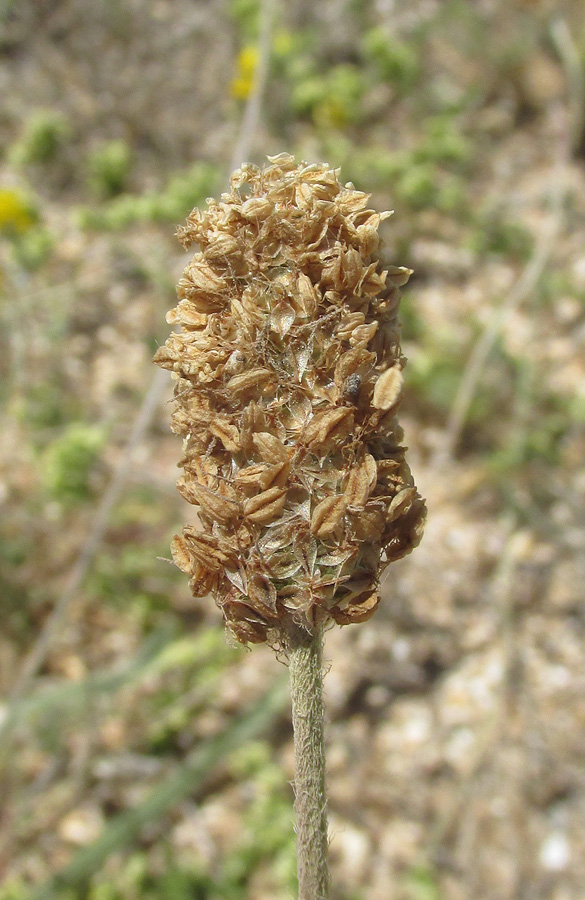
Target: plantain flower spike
x=288, y=377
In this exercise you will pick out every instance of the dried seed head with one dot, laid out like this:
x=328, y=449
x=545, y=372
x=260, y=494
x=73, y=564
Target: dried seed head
x=288, y=375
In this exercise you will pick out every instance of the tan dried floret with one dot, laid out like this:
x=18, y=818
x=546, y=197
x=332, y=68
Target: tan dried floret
x=387, y=388
x=288, y=376
x=328, y=515
x=266, y=506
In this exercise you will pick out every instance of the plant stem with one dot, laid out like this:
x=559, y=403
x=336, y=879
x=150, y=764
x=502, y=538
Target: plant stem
x=306, y=684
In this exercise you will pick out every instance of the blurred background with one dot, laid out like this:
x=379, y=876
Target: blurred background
x=141, y=757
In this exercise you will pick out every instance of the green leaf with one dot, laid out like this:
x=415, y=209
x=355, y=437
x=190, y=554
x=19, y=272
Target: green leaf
x=122, y=830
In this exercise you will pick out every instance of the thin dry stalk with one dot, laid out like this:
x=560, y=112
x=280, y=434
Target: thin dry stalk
x=306, y=684
x=251, y=117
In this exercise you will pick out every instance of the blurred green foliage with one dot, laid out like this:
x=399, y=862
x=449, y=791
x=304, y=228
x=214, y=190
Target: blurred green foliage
x=17, y=545
x=120, y=578
x=47, y=404
x=267, y=840
x=421, y=884
x=558, y=283
x=418, y=186
x=108, y=168
x=69, y=461
x=267, y=832
x=443, y=142
x=198, y=665
x=136, y=882
x=393, y=59
x=135, y=576
x=413, y=178
x=44, y=135
x=539, y=442
x=14, y=889
x=32, y=249
x=493, y=234
x=84, y=873
x=333, y=99
x=540, y=421
x=246, y=17
x=168, y=205
x=434, y=375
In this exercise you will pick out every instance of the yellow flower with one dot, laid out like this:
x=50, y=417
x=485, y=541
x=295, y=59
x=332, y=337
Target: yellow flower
x=16, y=215
x=242, y=84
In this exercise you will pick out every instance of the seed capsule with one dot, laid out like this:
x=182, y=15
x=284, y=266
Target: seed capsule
x=387, y=388
x=265, y=507
x=327, y=516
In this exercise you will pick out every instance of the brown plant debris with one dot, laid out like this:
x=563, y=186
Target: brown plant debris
x=288, y=376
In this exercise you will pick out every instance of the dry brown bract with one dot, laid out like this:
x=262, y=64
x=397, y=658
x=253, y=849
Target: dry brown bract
x=288, y=376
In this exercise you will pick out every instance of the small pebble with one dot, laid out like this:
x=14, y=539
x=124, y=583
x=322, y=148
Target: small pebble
x=555, y=852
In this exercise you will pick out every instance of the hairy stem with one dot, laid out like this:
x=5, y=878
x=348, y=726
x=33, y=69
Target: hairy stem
x=306, y=682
